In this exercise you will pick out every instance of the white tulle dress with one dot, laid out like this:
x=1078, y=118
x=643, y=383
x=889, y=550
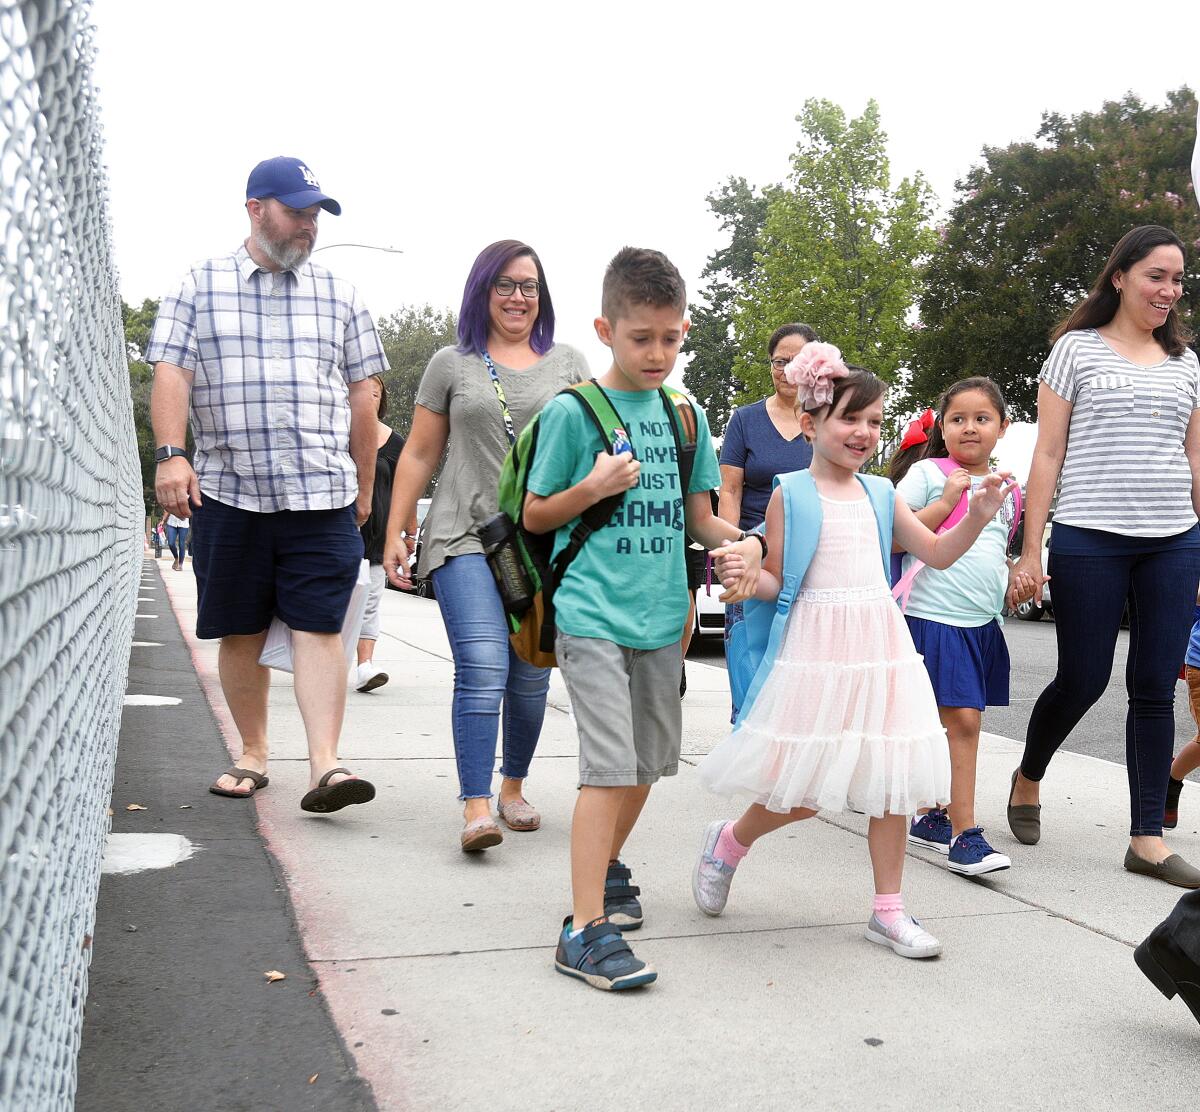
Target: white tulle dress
x=847, y=718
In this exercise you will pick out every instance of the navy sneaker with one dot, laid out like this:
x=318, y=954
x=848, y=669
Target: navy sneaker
x=932, y=831
x=600, y=955
x=971, y=855
x=621, y=906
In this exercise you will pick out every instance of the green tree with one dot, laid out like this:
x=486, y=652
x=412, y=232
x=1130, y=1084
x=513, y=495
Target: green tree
x=840, y=249
x=410, y=337
x=741, y=211
x=1032, y=227
x=138, y=323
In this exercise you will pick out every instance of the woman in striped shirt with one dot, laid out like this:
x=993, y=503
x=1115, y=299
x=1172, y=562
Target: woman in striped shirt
x=1119, y=421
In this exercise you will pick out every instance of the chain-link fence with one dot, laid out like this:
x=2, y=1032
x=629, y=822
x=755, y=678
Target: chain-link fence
x=70, y=539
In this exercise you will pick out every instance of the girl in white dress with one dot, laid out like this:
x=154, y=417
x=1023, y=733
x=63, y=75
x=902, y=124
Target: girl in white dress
x=843, y=716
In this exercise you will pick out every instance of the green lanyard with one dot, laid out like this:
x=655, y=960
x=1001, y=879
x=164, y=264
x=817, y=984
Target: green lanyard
x=509, y=427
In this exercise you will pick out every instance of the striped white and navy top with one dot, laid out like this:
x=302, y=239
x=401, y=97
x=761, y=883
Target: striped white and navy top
x=1125, y=470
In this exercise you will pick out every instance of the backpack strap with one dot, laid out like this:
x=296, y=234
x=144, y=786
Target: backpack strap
x=683, y=428
x=764, y=623
x=604, y=416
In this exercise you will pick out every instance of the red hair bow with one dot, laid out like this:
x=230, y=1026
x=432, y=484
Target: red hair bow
x=916, y=433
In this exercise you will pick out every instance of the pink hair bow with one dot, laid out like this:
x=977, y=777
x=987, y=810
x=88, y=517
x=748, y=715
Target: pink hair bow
x=813, y=372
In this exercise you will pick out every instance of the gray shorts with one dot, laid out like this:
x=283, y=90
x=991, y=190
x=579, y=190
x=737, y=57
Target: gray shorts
x=626, y=704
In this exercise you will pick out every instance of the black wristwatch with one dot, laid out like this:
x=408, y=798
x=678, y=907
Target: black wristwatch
x=758, y=537
x=161, y=455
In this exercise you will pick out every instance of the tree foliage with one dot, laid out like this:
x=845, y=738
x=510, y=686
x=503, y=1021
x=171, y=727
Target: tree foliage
x=1033, y=226
x=410, y=337
x=138, y=323
x=840, y=249
x=741, y=211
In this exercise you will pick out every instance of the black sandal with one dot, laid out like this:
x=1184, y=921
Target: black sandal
x=326, y=797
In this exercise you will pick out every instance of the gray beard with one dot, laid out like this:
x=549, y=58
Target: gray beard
x=282, y=255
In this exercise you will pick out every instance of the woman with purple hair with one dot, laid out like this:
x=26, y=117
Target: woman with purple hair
x=475, y=398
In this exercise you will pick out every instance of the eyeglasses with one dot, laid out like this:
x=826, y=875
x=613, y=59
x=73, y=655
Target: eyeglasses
x=505, y=287
x=778, y=364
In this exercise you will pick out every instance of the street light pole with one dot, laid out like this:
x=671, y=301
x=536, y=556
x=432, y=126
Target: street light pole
x=364, y=246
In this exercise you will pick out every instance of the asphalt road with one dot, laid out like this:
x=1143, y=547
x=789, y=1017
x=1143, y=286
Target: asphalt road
x=1034, y=652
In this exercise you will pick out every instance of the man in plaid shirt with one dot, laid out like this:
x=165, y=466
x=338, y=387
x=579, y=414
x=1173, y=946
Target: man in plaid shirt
x=273, y=354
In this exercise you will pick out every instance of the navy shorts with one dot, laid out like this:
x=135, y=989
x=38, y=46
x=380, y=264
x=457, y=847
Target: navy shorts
x=968, y=667
x=298, y=564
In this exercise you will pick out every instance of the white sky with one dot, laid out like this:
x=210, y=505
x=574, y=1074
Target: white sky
x=576, y=127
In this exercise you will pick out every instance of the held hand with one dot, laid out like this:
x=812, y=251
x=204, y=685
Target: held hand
x=987, y=500
x=956, y=482
x=614, y=474
x=1028, y=570
x=738, y=565
x=174, y=484
x=1021, y=588
x=395, y=563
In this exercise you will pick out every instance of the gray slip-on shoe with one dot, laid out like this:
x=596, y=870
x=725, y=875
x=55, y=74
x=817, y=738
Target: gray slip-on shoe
x=1024, y=819
x=1174, y=870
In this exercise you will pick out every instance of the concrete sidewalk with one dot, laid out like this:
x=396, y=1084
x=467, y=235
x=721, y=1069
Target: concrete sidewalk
x=437, y=966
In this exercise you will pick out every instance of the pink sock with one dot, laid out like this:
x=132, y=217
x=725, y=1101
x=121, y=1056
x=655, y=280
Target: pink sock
x=728, y=848
x=890, y=908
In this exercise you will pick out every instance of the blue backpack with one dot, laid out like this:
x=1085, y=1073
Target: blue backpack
x=754, y=643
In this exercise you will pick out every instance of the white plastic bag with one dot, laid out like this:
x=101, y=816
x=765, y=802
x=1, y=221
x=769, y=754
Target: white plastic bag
x=277, y=650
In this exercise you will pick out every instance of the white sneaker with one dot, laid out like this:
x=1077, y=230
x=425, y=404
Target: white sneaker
x=369, y=677
x=711, y=877
x=905, y=936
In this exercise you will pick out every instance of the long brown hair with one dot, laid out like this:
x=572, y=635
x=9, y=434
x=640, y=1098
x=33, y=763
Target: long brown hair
x=935, y=446
x=1102, y=301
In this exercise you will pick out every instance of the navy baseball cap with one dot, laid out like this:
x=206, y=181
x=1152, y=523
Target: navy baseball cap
x=290, y=181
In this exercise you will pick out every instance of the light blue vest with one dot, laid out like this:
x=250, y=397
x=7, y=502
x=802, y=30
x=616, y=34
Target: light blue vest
x=754, y=643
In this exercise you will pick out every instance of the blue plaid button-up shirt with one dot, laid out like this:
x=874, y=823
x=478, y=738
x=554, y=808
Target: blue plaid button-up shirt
x=272, y=356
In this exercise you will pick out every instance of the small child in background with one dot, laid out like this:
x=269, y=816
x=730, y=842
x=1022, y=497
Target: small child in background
x=840, y=714
x=954, y=615
x=1188, y=758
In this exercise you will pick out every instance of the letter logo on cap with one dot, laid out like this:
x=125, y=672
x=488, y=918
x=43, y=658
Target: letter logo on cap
x=309, y=176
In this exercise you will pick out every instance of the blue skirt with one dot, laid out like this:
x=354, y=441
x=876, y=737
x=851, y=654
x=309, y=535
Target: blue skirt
x=967, y=667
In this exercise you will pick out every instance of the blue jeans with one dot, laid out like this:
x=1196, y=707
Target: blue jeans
x=177, y=538
x=487, y=672
x=1089, y=594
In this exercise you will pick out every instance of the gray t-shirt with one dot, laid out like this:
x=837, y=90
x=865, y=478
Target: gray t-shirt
x=466, y=493
x=1125, y=470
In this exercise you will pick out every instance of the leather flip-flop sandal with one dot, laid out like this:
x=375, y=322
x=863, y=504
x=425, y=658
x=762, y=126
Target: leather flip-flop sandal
x=326, y=797
x=259, y=779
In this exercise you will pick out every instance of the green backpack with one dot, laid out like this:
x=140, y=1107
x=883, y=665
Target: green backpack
x=532, y=628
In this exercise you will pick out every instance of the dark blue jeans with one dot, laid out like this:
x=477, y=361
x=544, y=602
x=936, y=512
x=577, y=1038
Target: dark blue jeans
x=487, y=673
x=1089, y=595
x=177, y=538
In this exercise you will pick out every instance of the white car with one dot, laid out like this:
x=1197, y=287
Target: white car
x=710, y=611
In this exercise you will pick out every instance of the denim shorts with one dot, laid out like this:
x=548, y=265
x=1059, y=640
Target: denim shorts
x=299, y=565
x=626, y=705
x=968, y=667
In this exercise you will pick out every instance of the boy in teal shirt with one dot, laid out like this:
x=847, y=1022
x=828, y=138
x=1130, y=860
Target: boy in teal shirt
x=622, y=604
